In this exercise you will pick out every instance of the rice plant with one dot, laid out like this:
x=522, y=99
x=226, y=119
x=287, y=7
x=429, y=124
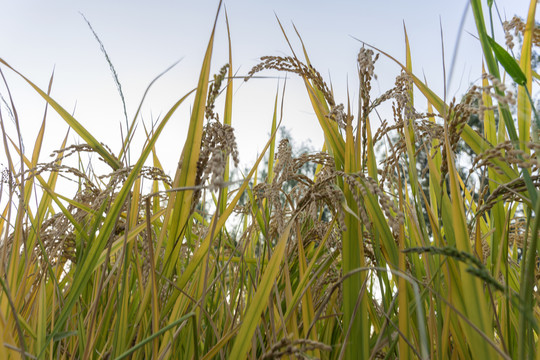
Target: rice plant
x=373, y=256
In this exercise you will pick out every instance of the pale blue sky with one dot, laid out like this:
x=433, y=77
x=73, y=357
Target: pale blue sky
x=143, y=38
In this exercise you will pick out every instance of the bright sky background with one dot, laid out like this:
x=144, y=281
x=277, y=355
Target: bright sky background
x=143, y=38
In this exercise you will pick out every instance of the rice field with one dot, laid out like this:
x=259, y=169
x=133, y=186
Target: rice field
x=387, y=250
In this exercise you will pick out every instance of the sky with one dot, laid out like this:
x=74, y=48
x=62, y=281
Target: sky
x=143, y=38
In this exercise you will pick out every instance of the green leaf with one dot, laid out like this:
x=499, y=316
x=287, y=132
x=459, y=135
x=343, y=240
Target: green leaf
x=508, y=62
x=143, y=342
x=64, y=334
x=74, y=124
x=260, y=300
